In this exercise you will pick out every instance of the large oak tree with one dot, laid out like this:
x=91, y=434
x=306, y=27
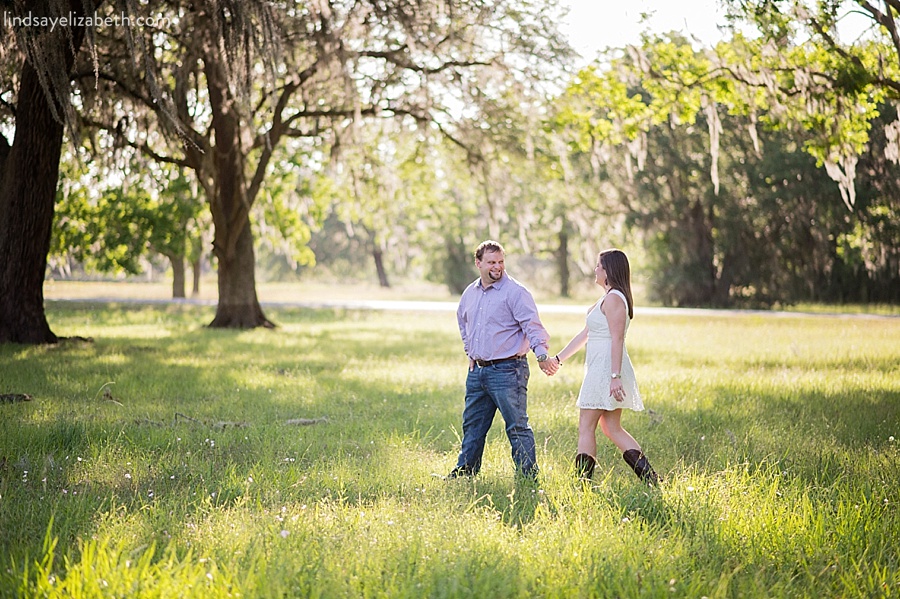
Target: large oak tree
x=310, y=72
x=36, y=98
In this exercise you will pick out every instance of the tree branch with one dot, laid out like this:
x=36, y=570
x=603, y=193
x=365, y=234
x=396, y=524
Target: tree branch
x=889, y=83
x=271, y=138
x=297, y=82
x=300, y=133
x=130, y=91
x=470, y=151
x=842, y=52
x=397, y=57
x=144, y=148
x=191, y=135
x=885, y=19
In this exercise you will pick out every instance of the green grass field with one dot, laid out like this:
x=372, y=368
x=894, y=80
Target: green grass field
x=166, y=459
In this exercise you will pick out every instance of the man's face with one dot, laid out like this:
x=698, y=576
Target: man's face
x=491, y=267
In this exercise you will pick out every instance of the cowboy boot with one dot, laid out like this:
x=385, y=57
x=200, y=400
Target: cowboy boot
x=584, y=466
x=641, y=466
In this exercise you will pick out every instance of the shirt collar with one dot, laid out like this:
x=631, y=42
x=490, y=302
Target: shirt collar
x=496, y=284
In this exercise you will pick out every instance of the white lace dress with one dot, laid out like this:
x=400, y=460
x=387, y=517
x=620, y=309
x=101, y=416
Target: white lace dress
x=594, y=392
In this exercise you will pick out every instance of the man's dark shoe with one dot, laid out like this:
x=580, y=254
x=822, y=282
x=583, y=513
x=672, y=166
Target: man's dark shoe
x=461, y=471
x=532, y=477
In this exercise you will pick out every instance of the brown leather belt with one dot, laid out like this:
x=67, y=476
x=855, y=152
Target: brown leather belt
x=483, y=363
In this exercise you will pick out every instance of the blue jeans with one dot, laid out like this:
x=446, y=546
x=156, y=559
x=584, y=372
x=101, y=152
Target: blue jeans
x=503, y=387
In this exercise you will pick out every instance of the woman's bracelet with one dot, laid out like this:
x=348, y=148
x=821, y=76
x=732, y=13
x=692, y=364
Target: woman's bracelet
x=558, y=361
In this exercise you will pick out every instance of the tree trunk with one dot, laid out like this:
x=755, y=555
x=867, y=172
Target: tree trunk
x=562, y=259
x=27, y=196
x=178, y=276
x=457, y=265
x=238, y=305
x=722, y=297
x=4, y=154
x=378, y=256
x=196, y=271
x=493, y=219
x=702, y=290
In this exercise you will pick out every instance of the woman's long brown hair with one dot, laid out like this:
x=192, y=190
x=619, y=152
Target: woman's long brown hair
x=618, y=274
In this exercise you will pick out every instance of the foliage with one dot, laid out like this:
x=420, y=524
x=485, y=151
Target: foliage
x=113, y=229
x=826, y=79
x=295, y=201
x=702, y=146
x=158, y=459
x=235, y=84
x=106, y=235
x=374, y=133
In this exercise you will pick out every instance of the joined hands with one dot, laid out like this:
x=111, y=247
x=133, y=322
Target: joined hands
x=550, y=366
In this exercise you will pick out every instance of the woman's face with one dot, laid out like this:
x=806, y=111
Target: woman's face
x=600, y=273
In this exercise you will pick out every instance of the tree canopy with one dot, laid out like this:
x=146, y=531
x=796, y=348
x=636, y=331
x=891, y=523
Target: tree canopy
x=759, y=171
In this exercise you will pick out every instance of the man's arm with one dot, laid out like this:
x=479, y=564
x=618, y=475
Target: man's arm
x=461, y=321
x=525, y=312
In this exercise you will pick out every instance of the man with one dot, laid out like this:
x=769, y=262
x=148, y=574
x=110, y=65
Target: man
x=498, y=322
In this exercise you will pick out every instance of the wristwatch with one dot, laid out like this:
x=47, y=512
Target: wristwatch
x=615, y=375
x=542, y=358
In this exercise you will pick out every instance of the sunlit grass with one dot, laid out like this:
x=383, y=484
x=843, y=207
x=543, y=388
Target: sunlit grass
x=167, y=459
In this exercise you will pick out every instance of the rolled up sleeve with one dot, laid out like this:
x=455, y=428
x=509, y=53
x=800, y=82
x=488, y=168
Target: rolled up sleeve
x=526, y=314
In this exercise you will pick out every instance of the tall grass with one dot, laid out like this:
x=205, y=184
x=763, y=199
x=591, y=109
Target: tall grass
x=164, y=458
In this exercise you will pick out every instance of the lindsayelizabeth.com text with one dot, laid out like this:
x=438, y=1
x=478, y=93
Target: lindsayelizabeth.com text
x=77, y=20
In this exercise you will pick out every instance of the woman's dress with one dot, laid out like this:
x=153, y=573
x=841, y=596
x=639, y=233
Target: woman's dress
x=594, y=394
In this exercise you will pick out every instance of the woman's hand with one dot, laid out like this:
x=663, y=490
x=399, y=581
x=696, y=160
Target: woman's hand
x=616, y=390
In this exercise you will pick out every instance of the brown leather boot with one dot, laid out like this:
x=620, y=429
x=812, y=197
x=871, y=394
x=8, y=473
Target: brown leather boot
x=641, y=466
x=584, y=466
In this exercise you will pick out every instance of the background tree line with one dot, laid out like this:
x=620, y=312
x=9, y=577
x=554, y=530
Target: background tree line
x=392, y=136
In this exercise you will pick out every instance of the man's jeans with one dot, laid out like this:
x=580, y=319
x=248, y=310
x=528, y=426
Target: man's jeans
x=503, y=387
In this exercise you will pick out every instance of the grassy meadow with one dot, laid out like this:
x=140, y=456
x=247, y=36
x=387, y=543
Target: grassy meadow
x=165, y=459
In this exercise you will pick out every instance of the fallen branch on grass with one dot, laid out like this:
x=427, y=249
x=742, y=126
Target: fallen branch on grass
x=223, y=424
x=306, y=421
x=14, y=397
x=220, y=425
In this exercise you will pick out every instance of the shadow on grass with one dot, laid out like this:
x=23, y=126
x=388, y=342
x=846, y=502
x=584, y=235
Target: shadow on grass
x=105, y=407
x=819, y=436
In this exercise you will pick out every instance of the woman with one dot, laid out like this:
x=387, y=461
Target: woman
x=609, y=385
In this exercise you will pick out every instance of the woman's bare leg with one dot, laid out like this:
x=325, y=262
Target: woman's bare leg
x=587, y=430
x=611, y=423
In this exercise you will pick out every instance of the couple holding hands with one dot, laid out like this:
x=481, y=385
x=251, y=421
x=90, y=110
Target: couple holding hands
x=499, y=323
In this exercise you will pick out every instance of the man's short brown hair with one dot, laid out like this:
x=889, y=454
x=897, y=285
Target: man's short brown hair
x=488, y=246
